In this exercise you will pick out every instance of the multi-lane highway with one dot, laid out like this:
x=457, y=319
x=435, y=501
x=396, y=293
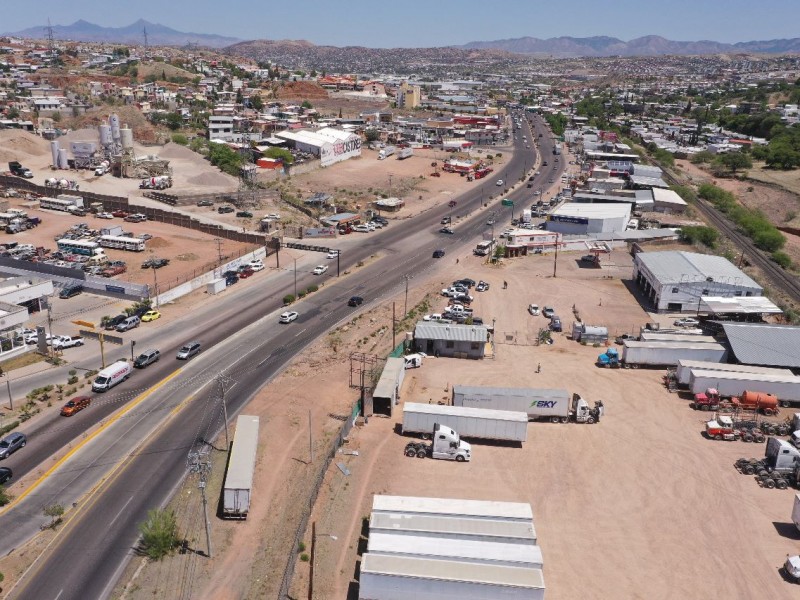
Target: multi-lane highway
x=86, y=559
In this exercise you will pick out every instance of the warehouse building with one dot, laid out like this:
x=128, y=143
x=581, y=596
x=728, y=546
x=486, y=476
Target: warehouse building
x=765, y=345
x=581, y=219
x=432, y=548
x=329, y=144
x=679, y=281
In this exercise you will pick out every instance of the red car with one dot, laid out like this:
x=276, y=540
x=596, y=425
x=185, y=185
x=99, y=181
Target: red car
x=119, y=213
x=75, y=405
x=245, y=273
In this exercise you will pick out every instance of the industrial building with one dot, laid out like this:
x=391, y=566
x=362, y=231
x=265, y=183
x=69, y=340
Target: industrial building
x=432, y=548
x=581, y=219
x=450, y=339
x=675, y=281
x=764, y=344
x=329, y=144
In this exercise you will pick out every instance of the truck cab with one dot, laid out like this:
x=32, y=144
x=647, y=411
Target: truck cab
x=720, y=428
x=448, y=445
x=609, y=358
x=581, y=412
x=708, y=400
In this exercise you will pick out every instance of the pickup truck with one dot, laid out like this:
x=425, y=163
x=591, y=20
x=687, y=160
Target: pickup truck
x=65, y=341
x=20, y=171
x=113, y=270
x=457, y=310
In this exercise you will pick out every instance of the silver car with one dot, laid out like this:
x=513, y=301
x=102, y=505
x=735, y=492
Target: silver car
x=11, y=443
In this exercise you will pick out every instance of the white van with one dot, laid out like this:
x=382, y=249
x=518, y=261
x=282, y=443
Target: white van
x=111, y=376
x=413, y=361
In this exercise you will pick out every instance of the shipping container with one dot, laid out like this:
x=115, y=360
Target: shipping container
x=669, y=353
x=238, y=486
x=685, y=367
x=654, y=336
x=467, y=422
x=727, y=383
x=454, y=528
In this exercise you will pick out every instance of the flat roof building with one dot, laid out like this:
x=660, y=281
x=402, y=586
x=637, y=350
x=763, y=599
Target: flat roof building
x=573, y=218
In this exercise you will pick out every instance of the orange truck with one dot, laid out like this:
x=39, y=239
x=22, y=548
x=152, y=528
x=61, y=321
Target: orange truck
x=760, y=401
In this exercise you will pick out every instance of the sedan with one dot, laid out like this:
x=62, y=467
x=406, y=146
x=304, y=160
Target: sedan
x=256, y=265
x=205, y=203
x=482, y=286
x=288, y=316
x=548, y=312
x=104, y=215
x=333, y=254
x=533, y=309
x=361, y=229
x=5, y=474
x=438, y=253
x=686, y=322
x=151, y=315
x=446, y=230
x=320, y=269
x=11, y=443
x=245, y=272
x=355, y=301
x=499, y=182
x=75, y=405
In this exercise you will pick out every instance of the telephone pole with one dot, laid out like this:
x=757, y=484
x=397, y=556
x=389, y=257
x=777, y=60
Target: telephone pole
x=200, y=462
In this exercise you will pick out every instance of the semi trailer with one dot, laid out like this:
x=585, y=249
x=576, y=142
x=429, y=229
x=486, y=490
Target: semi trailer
x=683, y=372
x=728, y=383
x=540, y=404
x=477, y=423
x=238, y=488
x=636, y=354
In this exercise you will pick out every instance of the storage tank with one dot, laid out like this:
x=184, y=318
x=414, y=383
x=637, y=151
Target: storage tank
x=126, y=137
x=105, y=135
x=113, y=121
x=54, y=152
x=63, y=162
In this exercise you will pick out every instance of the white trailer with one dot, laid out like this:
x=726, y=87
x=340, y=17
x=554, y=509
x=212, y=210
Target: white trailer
x=796, y=511
x=236, y=494
x=785, y=387
x=405, y=153
x=468, y=422
x=669, y=353
x=403, y=577
x=454, y=528
x=386, y=152
x=654, y=336
x=453, y=507
x=536, y=403
x=685, y=367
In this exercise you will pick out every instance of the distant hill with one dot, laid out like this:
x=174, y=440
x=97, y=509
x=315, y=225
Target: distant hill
x=650, y=45
x=157, y=35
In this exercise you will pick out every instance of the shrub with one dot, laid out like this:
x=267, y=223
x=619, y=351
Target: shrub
x=288, y=299
x=304, y=557
x=302, y=294
x=705, y=235
x=159, y=534
x=312, y=288
x=181, y=139
x=301, y=547
x=5, y=498
x=782, y=259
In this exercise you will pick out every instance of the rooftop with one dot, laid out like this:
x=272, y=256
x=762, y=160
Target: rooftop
x=600, y=210
x=768, y=345
x=688, y=267
x=450, y=331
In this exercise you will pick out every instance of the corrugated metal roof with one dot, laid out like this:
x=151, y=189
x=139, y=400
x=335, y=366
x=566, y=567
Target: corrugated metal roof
x=740, y=305
x=595, y=210
x=649, y=181
x=445, y=570
x=475, y=551
x=690, y=267
x=702, y=365
x=506, y=511
x=449, y=411
x=675, y=345
x=389, y=377
x=651, y=336
x=451, y=332
x=243, y=454
x=757, y=344
x=453, y=527
x=647, y=171
x=476, y=390
x=668, y=197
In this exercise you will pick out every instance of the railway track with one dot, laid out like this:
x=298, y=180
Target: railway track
x=786, y=282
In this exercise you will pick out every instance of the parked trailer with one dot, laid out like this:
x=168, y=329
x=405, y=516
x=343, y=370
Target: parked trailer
x=796, y=512
x=405, y=153
x=468, y=422
x=236, y=494
x=652, y=336
x=727, y=383
x=539, y=404
x=684, y=370
x=451, y=528
x=669, y=353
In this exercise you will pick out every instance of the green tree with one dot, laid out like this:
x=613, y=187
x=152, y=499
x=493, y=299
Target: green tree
x=306, y=104
x=372, y=134
x=225, y=158
x=55, y=512
x=56, y=116
x=159, y=534
x=702, y=157
x=174, y=121
x=280, y=153
x=735, y=161
x=256, y=102
x=181, y=139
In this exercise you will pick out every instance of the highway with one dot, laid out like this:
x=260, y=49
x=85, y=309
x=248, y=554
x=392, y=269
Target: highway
x=92, y=549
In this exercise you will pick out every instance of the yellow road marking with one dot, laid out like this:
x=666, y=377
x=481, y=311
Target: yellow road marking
x=86, y=440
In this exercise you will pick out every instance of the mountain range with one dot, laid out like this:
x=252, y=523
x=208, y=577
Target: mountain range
x=157, y=35
x=650, y=45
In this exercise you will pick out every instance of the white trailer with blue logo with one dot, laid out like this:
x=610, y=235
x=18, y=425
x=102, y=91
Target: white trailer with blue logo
x=539, y=404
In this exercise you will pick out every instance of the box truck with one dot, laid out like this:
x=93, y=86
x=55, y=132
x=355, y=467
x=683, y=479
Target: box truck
x=405, y=153
x=539, y=404
x=236, y=493
x=478, y=423
x=111, y=376
x=386, y=152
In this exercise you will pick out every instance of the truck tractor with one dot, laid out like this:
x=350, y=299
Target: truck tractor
x=17, y=169
x=758, y=401
x=446, y=445
x=779, y=468
x=725, y=428
x=609, y=359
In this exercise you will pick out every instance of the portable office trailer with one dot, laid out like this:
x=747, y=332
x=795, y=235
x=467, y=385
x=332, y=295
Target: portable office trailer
x=454, y=528
x=469, y=551
x=685, y=367
x=467, y=422
x=536, y=403
x=403, y=577
x=785, y=387
x=669, y=353
x=239, y=478
x=453, y=507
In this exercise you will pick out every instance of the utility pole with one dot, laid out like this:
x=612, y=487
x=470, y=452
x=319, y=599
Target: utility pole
x=199, y=462
x=394, y=328
x=155, y=285
x=405, y=305
x=218, y=242
x=133, y=343
x=555, y=258
x=295, y=279
x=338, y=256
x=222, y=380
x=310, y=439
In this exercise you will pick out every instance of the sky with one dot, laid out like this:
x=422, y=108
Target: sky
x=418, y=23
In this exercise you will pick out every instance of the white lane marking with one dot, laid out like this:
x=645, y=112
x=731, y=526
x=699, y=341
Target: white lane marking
x=120, y=512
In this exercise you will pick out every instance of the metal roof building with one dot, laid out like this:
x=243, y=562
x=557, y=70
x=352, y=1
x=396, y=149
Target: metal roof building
x=454, y=528
x=764, y=344
x=676, y=281
x=578, y=218
x=450, y=339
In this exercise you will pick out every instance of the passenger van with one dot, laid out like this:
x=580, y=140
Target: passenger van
x=129, y=323
x=111, y=376
x=71, y=290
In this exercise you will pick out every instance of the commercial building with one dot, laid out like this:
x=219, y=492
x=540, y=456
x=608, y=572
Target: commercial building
x=677, y=282
x=580, y=219
x=221, y=127
x=528, y=241
x=765, y=345
x=668, y=201
x=450, y=339
x=408, y=96
x=329, y=144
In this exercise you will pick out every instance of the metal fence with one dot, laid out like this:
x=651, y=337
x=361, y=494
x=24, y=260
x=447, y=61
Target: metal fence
x=288, y=573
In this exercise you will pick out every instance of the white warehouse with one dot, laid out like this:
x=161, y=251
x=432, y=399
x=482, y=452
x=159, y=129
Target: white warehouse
x=678, y=281
x=331, y=145
x=579, y=219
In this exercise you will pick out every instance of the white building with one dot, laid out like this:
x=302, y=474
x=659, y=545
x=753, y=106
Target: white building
x=579, y=219
x=679, y=281
x=331, y=145
x=220, y=127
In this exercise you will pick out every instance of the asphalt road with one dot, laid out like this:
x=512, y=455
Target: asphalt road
x=92, y=550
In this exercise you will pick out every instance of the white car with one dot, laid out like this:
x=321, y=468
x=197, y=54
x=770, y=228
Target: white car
x=333, y=254
x=686, y=322
x=361, y=229
x=432, y=317
x=273, y=217
x=499, y=182
x=533, y=309
x=288, y=316
x=370, y=226
x=319, y=270
x=256, y=265
x=105, y=215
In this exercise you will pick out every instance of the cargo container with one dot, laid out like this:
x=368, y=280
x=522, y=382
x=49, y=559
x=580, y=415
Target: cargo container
x=654, y=336
x=236, y=493
x=669, y=353
x=796, y=512
x=538, y=404
x=450, y=507
x=727, y=383
x=468, y=422
x=454, y=528
x=685, y=367
x=405, y=153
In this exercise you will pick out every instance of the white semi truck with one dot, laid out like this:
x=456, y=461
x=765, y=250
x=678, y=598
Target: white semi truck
x=446, y=445
x=386, y=152
x=478, y=423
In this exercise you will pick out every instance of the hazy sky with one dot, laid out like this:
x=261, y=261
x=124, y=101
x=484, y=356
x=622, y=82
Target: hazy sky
x=384, y=23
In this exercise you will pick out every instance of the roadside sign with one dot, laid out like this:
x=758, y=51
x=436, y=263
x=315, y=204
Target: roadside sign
x=85, y=324
x=507, y=202
x=95, y=335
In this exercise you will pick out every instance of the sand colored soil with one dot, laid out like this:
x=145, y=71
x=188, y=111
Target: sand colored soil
x=20, y=146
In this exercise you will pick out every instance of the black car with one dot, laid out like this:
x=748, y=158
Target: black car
x=355, y=301
x=446, y=230
x=225, y=209
x=438, y=253
x=381, y=220
x=231, y=280
x=114, y=321
x=70, y=291
x=466, y=282
x=205, y=203
x=244, y=214
x=5, y=474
